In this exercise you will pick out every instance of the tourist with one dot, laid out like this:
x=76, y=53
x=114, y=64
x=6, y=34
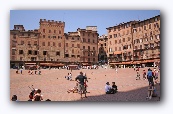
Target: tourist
x=114, y=88
x=137, y=75
x=38, y=96
x=74, y=89
x=14, y=98
x=21, y=71
x=150, y=76
x=150, y=90
x=144, y=74
x=108, y=88
x=81, y=79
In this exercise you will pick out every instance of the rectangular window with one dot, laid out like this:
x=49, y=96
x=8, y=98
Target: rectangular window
x=110, y=36
x=158, y=36
x=115, y=35
x=123, y=39
x=44, y=52
x=115, y=41
x=29, y=43
x=48, y=43
x=120, y=41
x=73, y=56
x=93, y=41
x=140, y=46
x=49, y=31
x=59, y=44
x=43, y=43
x=83, y=47
x=78, y=45
x=13, y=52
x=129, y=38
x=35, y=43
x=72, y=45
x=54, y=31
x=58, y=53
x=88, y=47
x=88, y=40
x=35, y=52
x=29, y=52
x=44, y=30
x=44, y=36
x=72, y=51
x=115, y=48
x=59, y=32
x=119, y=48
x=54, y=44
x=84, y=40
x=22, y=42
x=20, y=51
x=66, y=44
x=93, y=48
x=151, y=38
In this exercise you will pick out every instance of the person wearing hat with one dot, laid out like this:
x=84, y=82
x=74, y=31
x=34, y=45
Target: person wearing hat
x=108, y=88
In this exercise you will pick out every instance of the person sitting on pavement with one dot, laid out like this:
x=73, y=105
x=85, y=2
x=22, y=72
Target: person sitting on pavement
x=14, y=98
x=38, y=96
x=74, y=90
x=114, y=88
x=108, y=88
x=81, y=79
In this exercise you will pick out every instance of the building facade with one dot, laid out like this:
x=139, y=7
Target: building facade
x=102, y=48
x=49, y=44
x=135, y=42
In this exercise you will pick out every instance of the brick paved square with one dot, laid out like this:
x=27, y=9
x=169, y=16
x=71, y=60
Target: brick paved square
x=54, y=86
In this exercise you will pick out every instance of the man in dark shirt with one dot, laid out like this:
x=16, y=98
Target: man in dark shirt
x=81, y=79
x=114, y=88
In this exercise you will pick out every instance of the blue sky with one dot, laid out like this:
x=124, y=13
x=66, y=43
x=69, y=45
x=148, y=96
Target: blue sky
x=79, y=18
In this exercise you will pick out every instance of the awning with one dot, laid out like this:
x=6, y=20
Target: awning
x=115, y=63
x=117, y=52
x=30, y=63
x=126, y=63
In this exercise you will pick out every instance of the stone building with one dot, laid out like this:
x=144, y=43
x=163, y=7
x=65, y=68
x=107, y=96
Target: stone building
x=102, y=48
x=49, y=44
x=135, y=42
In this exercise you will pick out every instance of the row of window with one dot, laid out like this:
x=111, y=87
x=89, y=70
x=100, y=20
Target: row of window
x=72, y=45
x=123, y=40
x=34, y=52
x=59, y=37
x=87, y=34
x=84, y=40
x=50, y=31
x=118, y=28
x=89, y=48
x=146, y=27
x=146, y=39
x=102, y=44
x=73, y=38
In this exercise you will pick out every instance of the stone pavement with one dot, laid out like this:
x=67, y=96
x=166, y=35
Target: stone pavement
x=54, y=86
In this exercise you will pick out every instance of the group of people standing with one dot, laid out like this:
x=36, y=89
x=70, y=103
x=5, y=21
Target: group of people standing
x=152, y=76
x=81, y=86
